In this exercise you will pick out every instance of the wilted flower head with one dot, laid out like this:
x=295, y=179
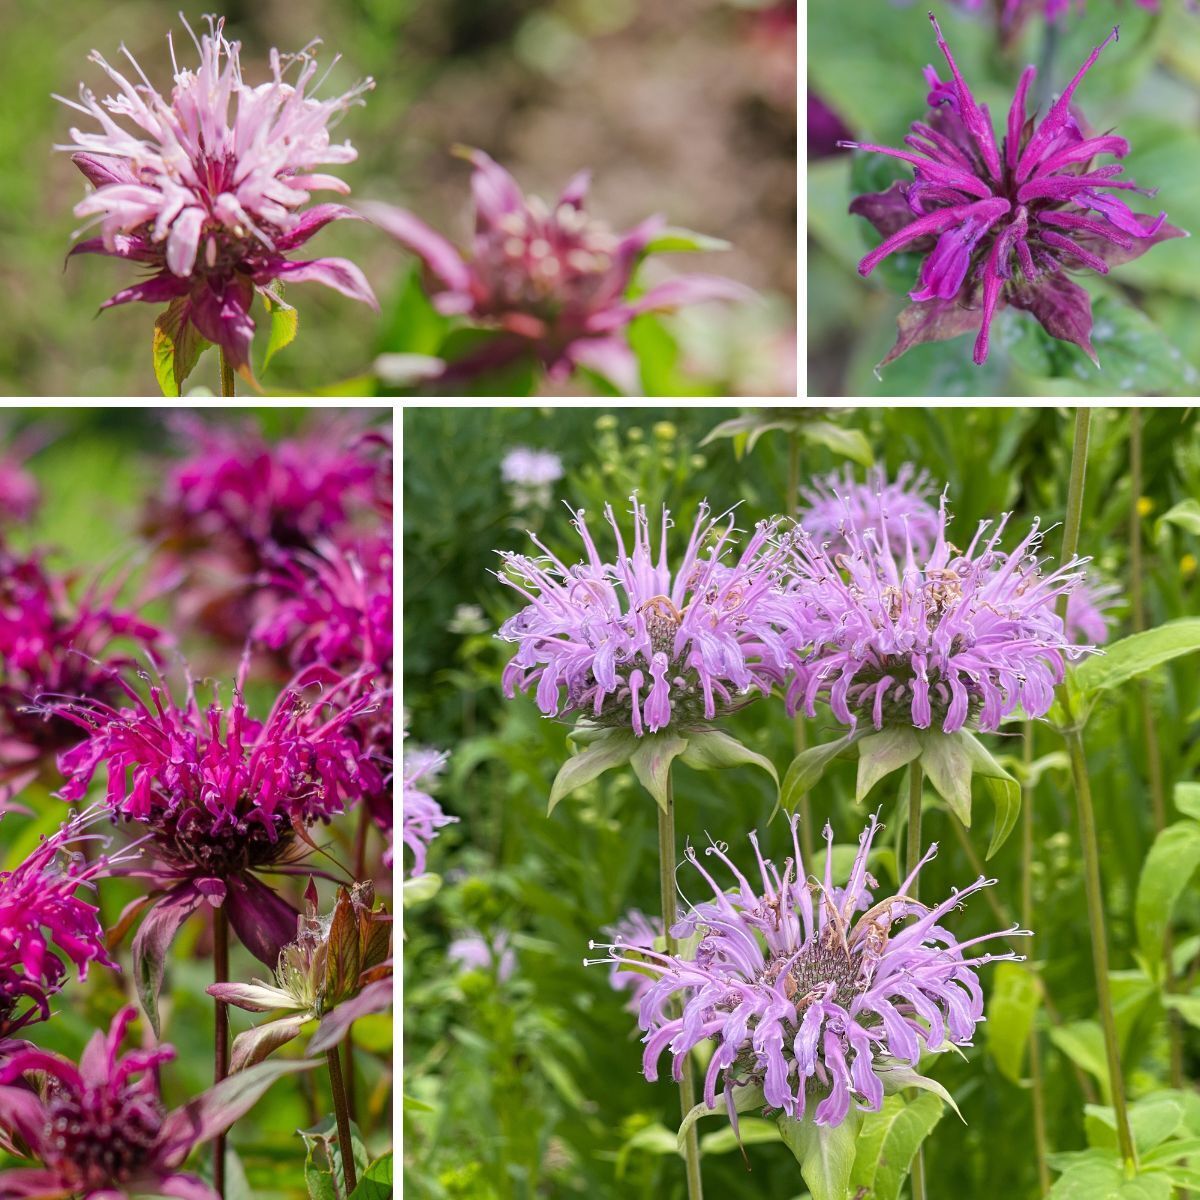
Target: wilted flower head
x=1001, y=224
x=633, y=642
x=222, y=794
x=421, y=813
x=336, y=970
x=838, y=499
x=204, y=189
x=965, y=635
x=229, y=511
x=474, y=952
x=99, y=1130
x=634, y=932
x=552, y=279
x=811, y=990
x=41, y=918
x=54, y=644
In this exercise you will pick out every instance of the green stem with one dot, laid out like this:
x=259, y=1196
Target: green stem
x=227, y=384
x=1044, y=87
x=1035, y=1050
x=342, y=1114
x=666, y=880
x=916, y=781
x=221, y=1040
x=799, y=729
x=1154, y=773
x=1073, y=735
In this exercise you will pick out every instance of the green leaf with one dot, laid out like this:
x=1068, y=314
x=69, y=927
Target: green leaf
x=1137, y=654
x=1097, y=1175
x=422, y=888
x=825, y=1153
x=1170, y=864
x=612, y=748
x=744, y=1099
x=323, y=1159
x=849, y=443
x=1187, y=799
x=376, y=1181
x=879, y=754
x=177, y=346
x=651, y=1139
x=1152, y=1120
x=709, y=749
x=1014, y=1000
x=807, y=768
x=947, y=760
x=1188, y=1007
x=750, y=1132
x=285, y=322
x=675, y=239
x=1185, y=514
x=651, y=763
x=897, y=1078
x=888, y=1143
x=1083, y=1043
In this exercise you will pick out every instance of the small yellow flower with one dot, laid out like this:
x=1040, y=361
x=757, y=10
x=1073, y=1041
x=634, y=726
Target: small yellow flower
x=635, y=433
x=1145, y=506
x=665, y=430
x=606, y=422
x=1187, y=566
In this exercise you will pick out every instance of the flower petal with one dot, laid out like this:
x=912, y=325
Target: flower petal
x=439, y=255
x=337, y=273
x=263, y=920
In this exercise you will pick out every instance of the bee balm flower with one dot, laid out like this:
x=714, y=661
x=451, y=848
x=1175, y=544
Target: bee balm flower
x=551, y=278
x=204, y=189
x=1002, y=223
x=808, y=989
x=422, y=815
x=634, y=643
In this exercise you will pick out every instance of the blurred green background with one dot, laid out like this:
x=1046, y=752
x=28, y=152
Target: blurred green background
x=685, y=108
x=532, y=1087
x=865, y=62
x=95, y=467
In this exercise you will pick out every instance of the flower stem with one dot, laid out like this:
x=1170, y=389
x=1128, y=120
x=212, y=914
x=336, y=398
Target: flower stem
x=1035, y=1050
x=1158, y=798
x=342, y=1114
x=227, y=384
x=221, y=1041
x=1044, y=87
x=799, y=730
x=916, y=782
x=666, y=880
x=1073, y=735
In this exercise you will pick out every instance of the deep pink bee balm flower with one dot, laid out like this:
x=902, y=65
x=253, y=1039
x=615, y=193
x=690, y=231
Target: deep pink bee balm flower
x=1003, y=223
x=209, y=200
x=552, y=279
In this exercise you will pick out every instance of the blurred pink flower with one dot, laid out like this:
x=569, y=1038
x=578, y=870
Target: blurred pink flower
x=208, y=201
x=553, y=280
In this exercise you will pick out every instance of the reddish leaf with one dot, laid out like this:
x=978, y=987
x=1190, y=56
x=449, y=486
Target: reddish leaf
x=154, y=939
x=1063, y=308
x=932, y=321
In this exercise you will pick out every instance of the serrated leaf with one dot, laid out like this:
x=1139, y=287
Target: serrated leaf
x=888, y=1142
x=176, y=347
x=807, y=768
x=879, y=754
x=376, y=1181
x=614, y=748
x=1011, y=1007
x=1170, y=864
x=825, y=1153
x=285, y=323
x=651, y=762
x=1097, y=1175
x=1137, y=654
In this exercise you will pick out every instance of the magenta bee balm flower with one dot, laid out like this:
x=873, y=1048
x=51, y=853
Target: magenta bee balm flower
x=632, y=642
x=1002, y=223
x=41, y=918
x=810, y=990
x=99, y=1130
x=963, y=636
x=836, y=500
x=550, y=278
x=204, y=190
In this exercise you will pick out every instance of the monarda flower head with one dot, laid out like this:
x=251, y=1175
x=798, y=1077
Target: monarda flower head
x=203, y=190
x=838, y=499
x=634, y=643
x=634, y=932
x=54, y=644
x=811, y=991
x=222, y=795
x=963, y=636
x=421, y=814
x=1003, y=223
x=550, y=278
x=44, y=925
x=99, y=1131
